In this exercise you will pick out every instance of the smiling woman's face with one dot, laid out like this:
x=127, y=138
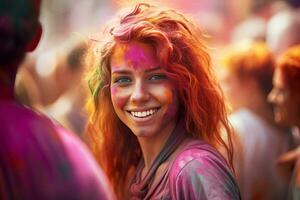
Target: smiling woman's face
x=143, y=96
x=286, y=104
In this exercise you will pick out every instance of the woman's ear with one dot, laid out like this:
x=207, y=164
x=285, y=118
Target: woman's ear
x=32, y=44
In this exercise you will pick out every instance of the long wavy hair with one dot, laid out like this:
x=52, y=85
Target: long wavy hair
x=180, y=49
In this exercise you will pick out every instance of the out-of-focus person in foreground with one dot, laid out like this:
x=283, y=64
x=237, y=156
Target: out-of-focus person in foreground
x=38, y=158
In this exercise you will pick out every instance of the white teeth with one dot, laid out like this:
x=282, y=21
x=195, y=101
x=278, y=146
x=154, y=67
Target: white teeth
x=143, y=113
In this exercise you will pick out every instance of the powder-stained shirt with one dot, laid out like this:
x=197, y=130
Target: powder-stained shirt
x=195, y=172
x=200, y=172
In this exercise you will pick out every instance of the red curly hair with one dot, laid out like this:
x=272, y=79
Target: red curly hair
x=289, y=64
x=179, y=48
x=251, y=59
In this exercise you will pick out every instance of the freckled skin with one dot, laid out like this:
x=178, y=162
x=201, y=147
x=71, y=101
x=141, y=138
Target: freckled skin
x=138, y=63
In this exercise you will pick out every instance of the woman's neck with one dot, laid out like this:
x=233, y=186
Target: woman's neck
x=264, y=110
x=152, y=146
x=257, y=103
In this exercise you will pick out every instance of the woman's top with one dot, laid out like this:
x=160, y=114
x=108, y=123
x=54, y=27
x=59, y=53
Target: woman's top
x=259, y=145
x=186, y=169
x=294, y=187
x=41, y=160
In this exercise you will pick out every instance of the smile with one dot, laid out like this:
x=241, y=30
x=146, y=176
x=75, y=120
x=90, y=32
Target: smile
x=143, y=114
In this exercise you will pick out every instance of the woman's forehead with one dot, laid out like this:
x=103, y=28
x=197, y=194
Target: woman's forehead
x=134, y=54
x=134, y=49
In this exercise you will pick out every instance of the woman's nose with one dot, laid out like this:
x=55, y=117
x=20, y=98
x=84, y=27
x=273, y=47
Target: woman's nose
x=139, y=92
x=272, y=96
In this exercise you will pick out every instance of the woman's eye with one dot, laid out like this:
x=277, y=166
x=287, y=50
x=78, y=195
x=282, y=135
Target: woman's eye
x=122, y=80
x=158, y=77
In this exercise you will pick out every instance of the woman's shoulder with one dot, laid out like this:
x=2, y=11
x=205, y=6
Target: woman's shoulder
x=199, y=169
x=197, y=152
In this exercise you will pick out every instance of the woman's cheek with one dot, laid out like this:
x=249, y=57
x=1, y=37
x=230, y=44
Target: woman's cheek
x=113, y=91
x=168, y=97
x=118, y=97
x=173, y=104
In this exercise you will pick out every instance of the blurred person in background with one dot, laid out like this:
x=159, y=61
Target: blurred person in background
x=254, y=25
x=285, y=96
x=248, y=69
x=68, y=109
x=38, y=158
x=68, y=94
x=156, y=110
x=283, y=29
x=27, y=91
x=39, y=69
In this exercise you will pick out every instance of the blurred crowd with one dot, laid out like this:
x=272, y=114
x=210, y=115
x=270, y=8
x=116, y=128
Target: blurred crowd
x=50, y=79
x=251, y=43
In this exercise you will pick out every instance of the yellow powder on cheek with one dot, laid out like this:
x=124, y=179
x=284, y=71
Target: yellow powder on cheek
x=168, y=97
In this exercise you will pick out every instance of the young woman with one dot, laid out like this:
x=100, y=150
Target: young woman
x=285, y=96
x=247, y=80
x=157, y=112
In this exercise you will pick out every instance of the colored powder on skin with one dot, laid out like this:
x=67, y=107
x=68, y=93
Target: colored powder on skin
x=113, y=91
x=135, y=55
x=119, y=53
x=117, y=97
x=138, y=56
x=172, y=111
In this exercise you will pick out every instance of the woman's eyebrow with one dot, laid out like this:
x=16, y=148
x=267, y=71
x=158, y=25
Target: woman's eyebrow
x=152, y=69
x=125, y=71
x=120, y=71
